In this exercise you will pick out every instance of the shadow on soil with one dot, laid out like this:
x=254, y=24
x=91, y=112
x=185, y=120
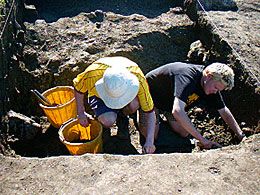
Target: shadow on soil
x=48, y=144
x=51, y=11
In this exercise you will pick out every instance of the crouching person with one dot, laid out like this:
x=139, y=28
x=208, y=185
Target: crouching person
x=176, y=87
x=115, y=85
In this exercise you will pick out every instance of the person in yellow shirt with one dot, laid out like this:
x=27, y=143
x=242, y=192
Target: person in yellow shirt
x=113, y=85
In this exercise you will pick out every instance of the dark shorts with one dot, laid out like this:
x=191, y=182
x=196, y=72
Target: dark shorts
x=98, y=106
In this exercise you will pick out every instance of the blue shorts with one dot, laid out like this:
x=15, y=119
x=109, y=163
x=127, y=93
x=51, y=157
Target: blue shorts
x=98, y=106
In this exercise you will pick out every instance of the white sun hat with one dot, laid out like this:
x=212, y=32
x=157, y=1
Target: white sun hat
x=118, y=87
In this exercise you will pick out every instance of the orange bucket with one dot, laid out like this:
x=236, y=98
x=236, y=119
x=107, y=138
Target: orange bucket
x=80, y=140
x=64, y=98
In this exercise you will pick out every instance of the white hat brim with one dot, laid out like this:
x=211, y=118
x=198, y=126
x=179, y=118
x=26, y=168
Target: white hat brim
x=122, y=101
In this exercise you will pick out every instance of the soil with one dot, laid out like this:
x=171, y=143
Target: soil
x=64, y=40
x=231, y=170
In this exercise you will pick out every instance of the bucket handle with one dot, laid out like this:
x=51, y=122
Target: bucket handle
x=62, y=125
x=68, y=121
x=90, y=119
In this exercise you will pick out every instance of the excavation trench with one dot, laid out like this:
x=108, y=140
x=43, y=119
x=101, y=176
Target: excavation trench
x=64, y=41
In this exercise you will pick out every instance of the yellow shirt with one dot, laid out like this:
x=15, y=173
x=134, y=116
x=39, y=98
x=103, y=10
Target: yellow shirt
x=85, y=81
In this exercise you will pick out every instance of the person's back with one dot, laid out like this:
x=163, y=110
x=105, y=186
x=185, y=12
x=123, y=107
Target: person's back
x=177, y=86
x=114, y=86
x=169, y=81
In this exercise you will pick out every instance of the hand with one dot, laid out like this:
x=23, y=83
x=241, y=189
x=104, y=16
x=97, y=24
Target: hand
x=83, y=119
x=148, y=148
x=209, y=145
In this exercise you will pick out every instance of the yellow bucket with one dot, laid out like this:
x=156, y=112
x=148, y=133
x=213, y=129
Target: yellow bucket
x=63, y=97
x=80, y=140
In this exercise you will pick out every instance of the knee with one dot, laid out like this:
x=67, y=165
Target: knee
x=178, y=128
x=132, y=107
x=184, y=134
x=107, y=120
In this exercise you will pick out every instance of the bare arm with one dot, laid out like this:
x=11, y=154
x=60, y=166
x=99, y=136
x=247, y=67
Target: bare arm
x=149, y=122
x=82, y=116
x=183, y=119
x=231, y=122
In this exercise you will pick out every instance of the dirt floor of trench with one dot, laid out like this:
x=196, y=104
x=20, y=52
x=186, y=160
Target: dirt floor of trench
x=47, y=143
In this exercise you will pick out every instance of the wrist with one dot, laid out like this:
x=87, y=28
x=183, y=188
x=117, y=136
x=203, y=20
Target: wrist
x=241, y=136
x=149, y=141
x=81, y=115
x=204, y=141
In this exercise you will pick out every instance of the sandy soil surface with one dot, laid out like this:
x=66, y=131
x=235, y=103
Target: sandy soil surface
x=53, y=51
x=231, y=170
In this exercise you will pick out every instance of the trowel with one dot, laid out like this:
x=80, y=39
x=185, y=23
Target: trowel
x=41, y=98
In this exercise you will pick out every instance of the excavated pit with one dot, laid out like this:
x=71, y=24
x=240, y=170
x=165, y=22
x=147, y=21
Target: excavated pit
x=56, y=49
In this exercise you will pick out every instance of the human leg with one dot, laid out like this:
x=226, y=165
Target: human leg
x=132, y=107
x=175, y=126
x=109, y=117
x=123, y=118
x=106, y=116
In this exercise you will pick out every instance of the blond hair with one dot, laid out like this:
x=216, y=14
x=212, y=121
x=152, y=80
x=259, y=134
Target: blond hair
x=221, y=72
